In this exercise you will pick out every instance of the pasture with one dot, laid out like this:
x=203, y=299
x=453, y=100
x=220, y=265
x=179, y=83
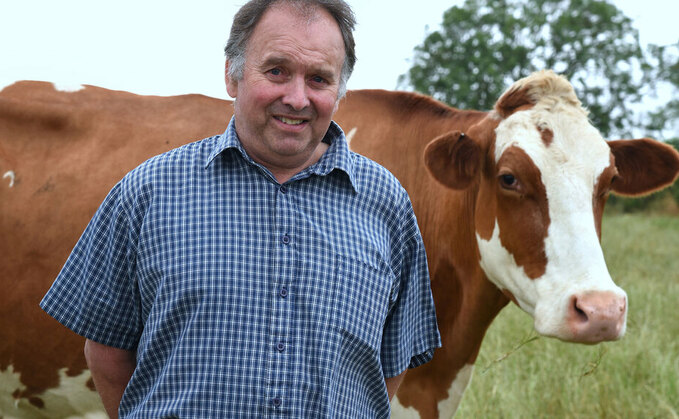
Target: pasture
x=519, y=375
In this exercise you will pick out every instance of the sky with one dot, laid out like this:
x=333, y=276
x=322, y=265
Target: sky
x=176, y=47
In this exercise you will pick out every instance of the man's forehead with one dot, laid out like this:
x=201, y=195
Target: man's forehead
x=300, y=14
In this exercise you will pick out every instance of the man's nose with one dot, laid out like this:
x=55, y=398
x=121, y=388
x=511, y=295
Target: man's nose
x=296, y=94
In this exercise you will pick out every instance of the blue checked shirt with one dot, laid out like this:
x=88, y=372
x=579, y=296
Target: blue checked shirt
x=246, y=298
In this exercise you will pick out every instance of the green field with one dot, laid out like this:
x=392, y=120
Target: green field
x=518, y=375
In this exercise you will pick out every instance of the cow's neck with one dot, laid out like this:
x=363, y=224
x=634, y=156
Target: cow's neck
x=466, y=302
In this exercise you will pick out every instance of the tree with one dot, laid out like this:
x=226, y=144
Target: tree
x=485, y=45
x=664, y=76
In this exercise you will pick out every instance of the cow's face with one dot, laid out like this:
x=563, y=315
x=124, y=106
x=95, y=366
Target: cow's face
x=548, y=174
x=542, y=174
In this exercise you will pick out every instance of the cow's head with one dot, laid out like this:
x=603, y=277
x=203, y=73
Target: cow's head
x=542, y=174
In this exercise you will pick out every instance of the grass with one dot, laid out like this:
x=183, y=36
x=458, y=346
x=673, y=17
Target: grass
x=520, y=375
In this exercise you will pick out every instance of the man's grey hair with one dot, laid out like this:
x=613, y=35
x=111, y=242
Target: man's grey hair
x=248, y=16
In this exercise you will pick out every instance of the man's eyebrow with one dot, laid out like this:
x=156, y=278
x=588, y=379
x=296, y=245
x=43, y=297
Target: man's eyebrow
x=325, y=71
x=275, y=60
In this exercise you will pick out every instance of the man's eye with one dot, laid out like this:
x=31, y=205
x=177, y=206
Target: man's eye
x=275, y=72
x=318, y=79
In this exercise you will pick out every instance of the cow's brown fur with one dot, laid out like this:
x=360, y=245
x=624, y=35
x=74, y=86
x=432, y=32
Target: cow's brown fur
x=68, y=149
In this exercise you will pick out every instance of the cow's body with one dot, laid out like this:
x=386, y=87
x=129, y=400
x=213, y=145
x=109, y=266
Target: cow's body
x=63, y=152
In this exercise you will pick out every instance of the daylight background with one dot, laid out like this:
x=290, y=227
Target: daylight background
x=176, y=47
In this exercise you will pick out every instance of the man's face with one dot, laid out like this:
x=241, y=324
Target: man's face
x=288, y=93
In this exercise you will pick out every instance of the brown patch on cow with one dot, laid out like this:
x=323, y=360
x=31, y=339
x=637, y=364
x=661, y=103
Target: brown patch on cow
x=486, y=207
x=546, y=134
x=644, y=166
x=523, y=213
x=601, y=192
x=90, y=384
x=514, y=100
x=37, y=402
x=507, y=293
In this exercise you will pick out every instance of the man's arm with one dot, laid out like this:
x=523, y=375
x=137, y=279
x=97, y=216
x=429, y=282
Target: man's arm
x=393, y=383
x=111, y=371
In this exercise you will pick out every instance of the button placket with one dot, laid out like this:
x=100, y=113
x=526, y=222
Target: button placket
x=282, y=317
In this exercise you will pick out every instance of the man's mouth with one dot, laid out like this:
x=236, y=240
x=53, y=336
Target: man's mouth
x=290, y=121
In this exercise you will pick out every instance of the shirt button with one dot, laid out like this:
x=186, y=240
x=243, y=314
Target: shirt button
x=277, y=401
x=284, y=189
x=284, y=292
x=286, y=239
x=280, y=346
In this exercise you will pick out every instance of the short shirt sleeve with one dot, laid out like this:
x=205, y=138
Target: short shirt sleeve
x=95, y=294
x=411, y=332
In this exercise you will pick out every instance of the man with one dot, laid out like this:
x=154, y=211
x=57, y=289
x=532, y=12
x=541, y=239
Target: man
x=267, y=271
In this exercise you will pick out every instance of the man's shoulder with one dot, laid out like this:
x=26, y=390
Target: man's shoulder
x=191, y=155
x=369, y=173
x=165, y=171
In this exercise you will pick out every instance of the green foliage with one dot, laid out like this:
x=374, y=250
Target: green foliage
x=636, y=377
x=485, y=45
x=664, y=76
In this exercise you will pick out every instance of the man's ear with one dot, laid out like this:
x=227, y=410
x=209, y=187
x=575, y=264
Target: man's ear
x=231, y=84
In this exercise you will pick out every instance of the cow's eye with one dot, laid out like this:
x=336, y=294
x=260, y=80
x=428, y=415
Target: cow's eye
x=508, y=181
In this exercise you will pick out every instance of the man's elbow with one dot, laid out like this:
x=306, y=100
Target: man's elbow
x=100, y=356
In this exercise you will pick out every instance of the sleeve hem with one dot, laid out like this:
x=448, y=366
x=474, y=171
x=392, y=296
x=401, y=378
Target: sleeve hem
x=421, y=357
x=80, y=330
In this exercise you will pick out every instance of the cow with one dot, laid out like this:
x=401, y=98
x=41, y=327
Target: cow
x=509, y=203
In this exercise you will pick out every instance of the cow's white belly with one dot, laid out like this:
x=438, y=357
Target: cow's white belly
x=446, y=407
x=71, y=400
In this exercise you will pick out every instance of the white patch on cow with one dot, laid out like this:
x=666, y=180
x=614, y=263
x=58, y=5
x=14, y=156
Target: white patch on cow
x=398, y=411
x=570, y=166
x=68, y=88
x=446, y=407
x=501, y=269
x=9, y=175
x=351, y=134
x=71, y=400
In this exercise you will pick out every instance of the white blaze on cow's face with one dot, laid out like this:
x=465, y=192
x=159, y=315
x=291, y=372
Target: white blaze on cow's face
x=544, y=250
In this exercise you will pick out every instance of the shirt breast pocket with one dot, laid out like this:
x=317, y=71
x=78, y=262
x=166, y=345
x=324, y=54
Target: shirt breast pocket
x=366, y=295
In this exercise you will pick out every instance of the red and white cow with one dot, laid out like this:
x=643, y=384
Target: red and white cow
x=509, y=203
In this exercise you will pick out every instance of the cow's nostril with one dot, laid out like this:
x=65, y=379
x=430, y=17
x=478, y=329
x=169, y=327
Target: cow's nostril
x=580, y=315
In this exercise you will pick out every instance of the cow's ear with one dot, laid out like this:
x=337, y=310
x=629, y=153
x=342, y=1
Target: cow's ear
x=453, y=159
x=644, y=166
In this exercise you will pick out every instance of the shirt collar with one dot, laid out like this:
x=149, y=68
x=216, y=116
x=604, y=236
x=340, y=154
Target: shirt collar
x=337, y=156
